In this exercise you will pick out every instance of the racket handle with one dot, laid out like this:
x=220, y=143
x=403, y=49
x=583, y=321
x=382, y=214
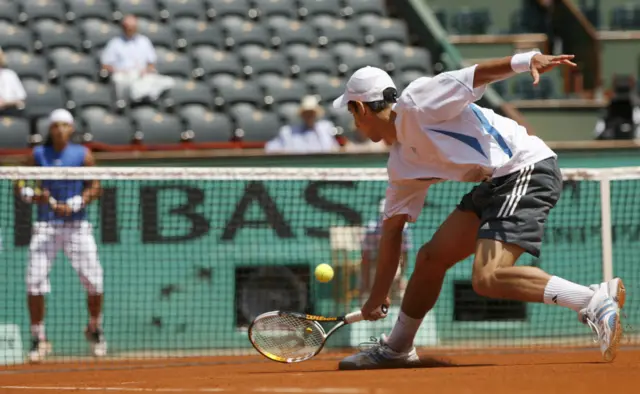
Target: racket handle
x=355, y=317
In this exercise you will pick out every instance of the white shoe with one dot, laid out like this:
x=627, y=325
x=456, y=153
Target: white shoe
x=615, y=289
x=40, y=349
x=602, y=315
x=97, y=342
x=380, y=355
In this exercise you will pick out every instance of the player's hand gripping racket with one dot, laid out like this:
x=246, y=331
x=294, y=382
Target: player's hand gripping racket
x=292, y=337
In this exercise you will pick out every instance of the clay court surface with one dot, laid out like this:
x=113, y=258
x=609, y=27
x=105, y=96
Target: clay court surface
x=541, y=372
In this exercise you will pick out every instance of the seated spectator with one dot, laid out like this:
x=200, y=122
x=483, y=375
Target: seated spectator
x=12, y=94
x=130, y=59
x=621, y=120
x=312, y=135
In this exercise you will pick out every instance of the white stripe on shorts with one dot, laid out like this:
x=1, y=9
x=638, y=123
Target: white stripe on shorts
x=519, y=190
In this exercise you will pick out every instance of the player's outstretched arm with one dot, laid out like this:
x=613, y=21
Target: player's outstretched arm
x=389, y=251
x=506, y=67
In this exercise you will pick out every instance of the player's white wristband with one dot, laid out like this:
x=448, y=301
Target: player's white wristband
x=521, y=62
x=27, y=193
x=75, y=203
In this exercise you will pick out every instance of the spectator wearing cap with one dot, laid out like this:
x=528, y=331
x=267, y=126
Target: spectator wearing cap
x=130, y=59
x=313, y=134
x=12, y=94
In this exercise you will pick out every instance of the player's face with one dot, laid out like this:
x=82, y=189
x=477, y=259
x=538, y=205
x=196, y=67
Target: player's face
x=61, y=132
x=365, y=121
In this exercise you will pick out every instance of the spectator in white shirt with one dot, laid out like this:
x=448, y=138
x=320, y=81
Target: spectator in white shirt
x=12, y=94
x=313, y=135
x=130, y=59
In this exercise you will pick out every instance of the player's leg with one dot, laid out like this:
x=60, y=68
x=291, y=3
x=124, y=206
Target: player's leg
x=42, y=252
x=82, y=251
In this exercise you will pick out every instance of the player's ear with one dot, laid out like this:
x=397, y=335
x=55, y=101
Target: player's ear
x=357, y=108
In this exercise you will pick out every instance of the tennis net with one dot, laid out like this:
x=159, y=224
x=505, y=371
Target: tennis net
x=192, y=255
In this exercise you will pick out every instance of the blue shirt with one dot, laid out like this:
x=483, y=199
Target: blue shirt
x=72, y=155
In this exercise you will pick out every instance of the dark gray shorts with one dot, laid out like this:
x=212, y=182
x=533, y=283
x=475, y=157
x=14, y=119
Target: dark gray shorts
x=514, y=208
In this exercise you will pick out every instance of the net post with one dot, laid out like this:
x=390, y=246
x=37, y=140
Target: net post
x=607, y=237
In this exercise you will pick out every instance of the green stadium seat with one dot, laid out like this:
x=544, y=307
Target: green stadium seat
x=305, y=60
x=311, y=8
x=270, y=8
x=42, y=98
x=15, y=37
x=68, y=63
x=35, y=10
x=524, y=89
x=350, y=58
x=339, y=31
x=210, y=61
x=225, y=8
x=254, y=125
x=14, y=133
x=83, y=9
x=9, y=12
x=471, y=21
x=174, y=64
x=186, y=92
x=205, y=125
x=365, y=7
x=97, y=33
x=156, y=128
x=106, y=128
x=230, y=91
x=279, y=90
x=146, y=9
x=240, y=32
x=193, y=33
x=326, y=87
x=379, y=30
x=288, y=32
x=626, y=17
x=162, y=36
x=259, y=61
x=82, y=93
x=400, y=58
x=51, y=34
x=27, y=66
x=180, y=8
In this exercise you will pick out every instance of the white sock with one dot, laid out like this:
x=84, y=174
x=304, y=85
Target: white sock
x=568, y=294
x=403, y=333
x=37, y=331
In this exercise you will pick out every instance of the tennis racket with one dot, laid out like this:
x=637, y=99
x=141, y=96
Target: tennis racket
x=293, y=337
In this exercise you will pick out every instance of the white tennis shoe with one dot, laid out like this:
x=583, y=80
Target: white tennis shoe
x=380, y=355
x=602, y=315
x=40, y=349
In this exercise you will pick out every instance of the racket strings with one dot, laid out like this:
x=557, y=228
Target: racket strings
x=286, y=337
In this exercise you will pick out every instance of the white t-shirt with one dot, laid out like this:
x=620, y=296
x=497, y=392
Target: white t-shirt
x=11, y=88
x=442, y=135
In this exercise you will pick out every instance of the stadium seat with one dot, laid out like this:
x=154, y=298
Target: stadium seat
x=9, y=12
x=144, y=9
x=162, y=36
x=326, y=87
x=254, y=125
x=339, y=31
x=35, y=10
x=205, y=125
x=279, y=90
x=27, y=66
x=365, y=7
x=259, y=61
x=52, y=35
x=311, y=8
x=106, y=128
x=471, y=21
x=210, y=61
x=379, y=30
x=181, y=8
x=186, y=92
x=82, y=93
x=239, y=33
x=400, y=58
x=84, y=9
x=15, y=37
x=97, y=34
x=192, y=34
x=288, y=32
x=42, y=98
x=174, y=64
x=68, y=63
x=224, y=8
x=269, y=8
x=230, y=91
x=523, y=89
x=289, y=112
x=351, y=58
x=14, y=133
x=157, y=128
x=305, y=60
x=625, y=17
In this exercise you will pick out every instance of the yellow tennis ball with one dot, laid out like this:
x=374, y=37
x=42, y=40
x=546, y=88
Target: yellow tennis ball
x=324, y=273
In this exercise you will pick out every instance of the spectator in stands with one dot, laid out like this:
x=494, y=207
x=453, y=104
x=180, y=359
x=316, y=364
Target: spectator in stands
x=130, y=59
x=12, y=94
x=621, y=120
x=313, y=135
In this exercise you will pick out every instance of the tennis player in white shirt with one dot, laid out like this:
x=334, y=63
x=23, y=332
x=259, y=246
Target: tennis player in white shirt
x=436, y=133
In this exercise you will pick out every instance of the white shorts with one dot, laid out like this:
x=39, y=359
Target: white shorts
x=77, y=241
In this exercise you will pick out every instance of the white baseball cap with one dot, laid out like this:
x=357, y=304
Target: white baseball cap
x=366, y=85
x=60, y=116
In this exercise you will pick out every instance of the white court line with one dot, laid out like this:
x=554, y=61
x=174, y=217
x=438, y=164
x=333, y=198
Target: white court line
x=114, y=389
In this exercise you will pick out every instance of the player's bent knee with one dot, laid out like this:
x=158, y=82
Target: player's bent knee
x=428, y=258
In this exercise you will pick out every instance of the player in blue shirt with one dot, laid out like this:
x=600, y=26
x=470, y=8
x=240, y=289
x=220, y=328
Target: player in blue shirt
x=62, y=224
